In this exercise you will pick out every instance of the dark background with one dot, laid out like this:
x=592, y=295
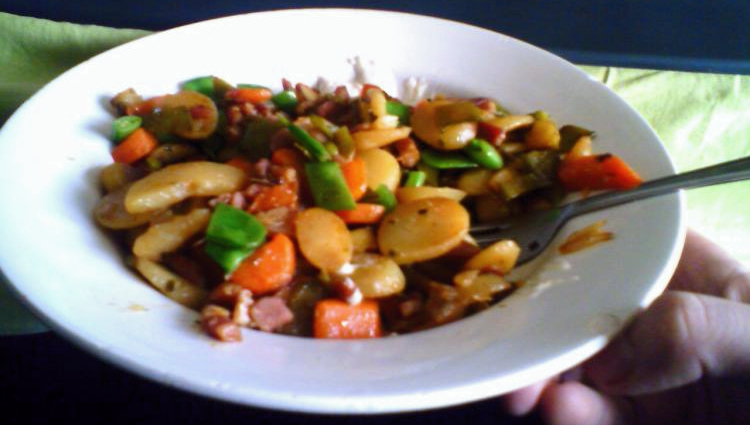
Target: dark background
x=44, y=379
x=691, y=35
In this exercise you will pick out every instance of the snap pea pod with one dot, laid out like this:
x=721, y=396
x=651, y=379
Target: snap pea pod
x=328, y=186
x=123, y=126
x=415, y=178
x=202, y=85
x=285, y=100
x=394, y=107
x=484, y=154
x=311, y=146
x=446, y=160
x=383, y=196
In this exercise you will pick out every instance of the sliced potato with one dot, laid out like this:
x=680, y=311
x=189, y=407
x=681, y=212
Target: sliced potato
x=456, y=136
x=169, y=235
x=500, y=257
x=170, y=284
x=323, y=239
x=117, y=175
x=110, y=212
x=424, y=121
x=409, y=194
x=543, y=135
x=377, y=276
x=382, y=168
x=474, y=286
x=475, y=182
x=178, y=182
x=422, y=229
x=509, y=123
x=203, y=117
x=363, y=240
x=378, y=137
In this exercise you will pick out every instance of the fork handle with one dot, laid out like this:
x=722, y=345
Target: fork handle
x=726, y=172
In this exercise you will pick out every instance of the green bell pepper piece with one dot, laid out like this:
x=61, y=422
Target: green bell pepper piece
x=227, y=258
x=328, y=186
x=233, y=228
x=203, y=85
x=383, y=196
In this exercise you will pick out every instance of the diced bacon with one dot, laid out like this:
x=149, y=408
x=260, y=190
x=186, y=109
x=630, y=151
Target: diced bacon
x=270, y=313
x=216, y=322
x=407, y=152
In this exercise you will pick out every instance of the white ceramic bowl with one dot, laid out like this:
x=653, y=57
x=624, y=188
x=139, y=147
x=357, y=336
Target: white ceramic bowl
x=70, y=274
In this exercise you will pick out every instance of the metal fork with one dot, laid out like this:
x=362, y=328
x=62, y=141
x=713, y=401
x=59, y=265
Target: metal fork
x=534, y=231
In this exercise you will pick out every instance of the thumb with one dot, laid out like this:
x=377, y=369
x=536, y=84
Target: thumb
x=682, y=337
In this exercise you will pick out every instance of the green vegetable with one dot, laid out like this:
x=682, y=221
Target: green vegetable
x=328, y=186
x=285, y=100
x=308, y=144
x=569, y=135
x=232, y=235
x=383, y=196
x=344, y=141
x=432, y=175
x=484, y=154
x=227, y=258
x=251, y=86
x=446, y=160
x=256, y=140
x=415, y=179
x=234, y=228
x=203, y=85
x=123, y=126
x=328, y=128
x=394, y=107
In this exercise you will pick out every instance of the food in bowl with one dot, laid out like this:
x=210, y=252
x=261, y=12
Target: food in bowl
x=328, y=214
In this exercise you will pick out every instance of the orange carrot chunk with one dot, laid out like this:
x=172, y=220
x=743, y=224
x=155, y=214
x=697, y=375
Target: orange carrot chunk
x=362, y=214
x=337, y=319
x=249, y=94
x=597, y=172
x=355, y=175
x=137, y=145
x=269, y=268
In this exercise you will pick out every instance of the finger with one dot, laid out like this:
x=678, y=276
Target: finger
x=679, y=339
x=706, y=268
x=573, y=403
x=522, y=402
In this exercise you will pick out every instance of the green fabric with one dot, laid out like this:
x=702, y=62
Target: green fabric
x=702, y=119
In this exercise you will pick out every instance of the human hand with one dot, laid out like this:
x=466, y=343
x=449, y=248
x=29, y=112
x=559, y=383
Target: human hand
x=685, y=360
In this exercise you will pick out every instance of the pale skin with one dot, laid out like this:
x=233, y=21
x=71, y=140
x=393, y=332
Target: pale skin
x=684, y=360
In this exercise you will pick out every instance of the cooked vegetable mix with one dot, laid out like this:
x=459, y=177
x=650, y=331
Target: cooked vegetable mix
x=330, y=215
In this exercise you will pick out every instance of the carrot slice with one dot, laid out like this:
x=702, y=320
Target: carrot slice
x=363, y=214
x=289, y=157
x=269, y=268
x=338, y=319
x=137, y=145
x=252, y=95
x=355, y=174
x=597, y=172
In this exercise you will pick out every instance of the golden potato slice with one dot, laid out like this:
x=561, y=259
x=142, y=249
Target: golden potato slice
x=178, y=182
x=110, y=212
x=378, y=137
x=363, y=240
x=422, y=229
x=475, y=182
x=409, y=194
x=377, y=276
x=202, y=115
x=323, y=239
x=169, y=235
x=500, y=257
x=381, y=168
x=170, y=284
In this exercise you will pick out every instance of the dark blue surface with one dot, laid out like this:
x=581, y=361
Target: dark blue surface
x=691, y=35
